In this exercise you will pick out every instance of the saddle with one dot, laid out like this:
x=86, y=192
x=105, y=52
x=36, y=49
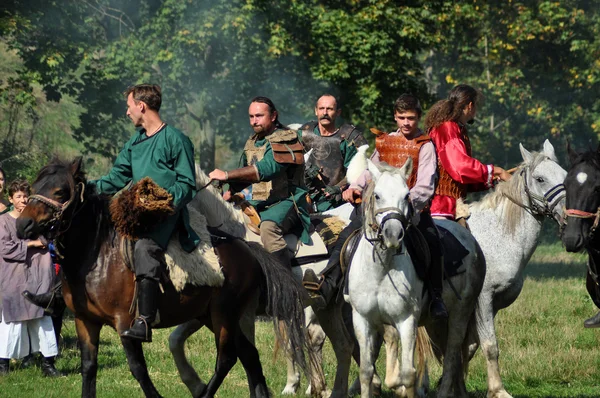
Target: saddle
x=453, y=249
x=201, y=267
x=325, y=231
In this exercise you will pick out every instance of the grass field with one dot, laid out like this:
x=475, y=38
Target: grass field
x=545, y=351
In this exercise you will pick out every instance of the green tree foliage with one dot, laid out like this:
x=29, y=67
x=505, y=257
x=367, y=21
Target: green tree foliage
x=535, y=61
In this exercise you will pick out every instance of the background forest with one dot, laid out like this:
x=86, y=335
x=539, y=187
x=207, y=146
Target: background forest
x=65, y=63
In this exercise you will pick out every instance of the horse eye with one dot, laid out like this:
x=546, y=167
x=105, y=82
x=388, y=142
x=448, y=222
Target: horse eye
x=376, y=196
x=539, y=179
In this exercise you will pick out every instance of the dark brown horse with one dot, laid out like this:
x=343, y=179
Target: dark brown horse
x=582, y=215
x=99, y=288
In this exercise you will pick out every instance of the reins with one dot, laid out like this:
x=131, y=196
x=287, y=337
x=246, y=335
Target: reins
x=575, y=213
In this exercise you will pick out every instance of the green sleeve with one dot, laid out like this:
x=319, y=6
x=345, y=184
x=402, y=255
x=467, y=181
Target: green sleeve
x=184, y=188
x=119, y=176
x=348, y=151
x=268, y=167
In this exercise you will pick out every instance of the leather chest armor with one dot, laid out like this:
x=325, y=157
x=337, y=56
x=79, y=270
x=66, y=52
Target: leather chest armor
x=286, y=149
x=326, y=153
x=396, y=149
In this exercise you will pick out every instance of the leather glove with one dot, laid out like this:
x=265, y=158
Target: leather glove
x=311, y=172
x=332, y=190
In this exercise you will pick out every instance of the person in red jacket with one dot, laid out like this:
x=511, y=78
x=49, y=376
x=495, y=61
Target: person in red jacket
x=458, y=171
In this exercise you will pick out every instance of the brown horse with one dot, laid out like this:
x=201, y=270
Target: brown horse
x=99, y=288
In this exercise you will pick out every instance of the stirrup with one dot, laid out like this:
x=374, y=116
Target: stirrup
x=312, y=284
x=131, y=335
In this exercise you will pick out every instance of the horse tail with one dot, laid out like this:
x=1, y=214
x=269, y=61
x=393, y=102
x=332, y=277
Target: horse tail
x=284, y=303
x=424, y=352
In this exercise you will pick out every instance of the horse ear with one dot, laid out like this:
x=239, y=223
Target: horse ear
x=572, y=154
x=549, y=151
x=372, y=167
x=406, y=170
x=76, y=165
x=527, y=156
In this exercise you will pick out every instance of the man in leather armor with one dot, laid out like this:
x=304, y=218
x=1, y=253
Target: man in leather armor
x=395, y=148
x=331, y=150
x=274, y=165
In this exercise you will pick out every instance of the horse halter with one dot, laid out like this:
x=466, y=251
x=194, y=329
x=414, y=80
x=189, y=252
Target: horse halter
x=378, y=228
x=575, y=213
x=58, y=209
x=549, y=201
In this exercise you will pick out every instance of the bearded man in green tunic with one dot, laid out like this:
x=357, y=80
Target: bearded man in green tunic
x=274, y=165
x=331, y=149
x=166, y=155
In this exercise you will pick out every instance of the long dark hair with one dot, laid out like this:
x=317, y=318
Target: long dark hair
x=452, y=107
x=272, y=109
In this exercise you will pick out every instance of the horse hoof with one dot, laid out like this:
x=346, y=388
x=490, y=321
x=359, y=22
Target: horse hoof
x=290, y=389
x=499, y=394
x=400, y=392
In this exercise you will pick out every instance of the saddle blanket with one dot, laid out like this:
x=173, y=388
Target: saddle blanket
x=201, y=267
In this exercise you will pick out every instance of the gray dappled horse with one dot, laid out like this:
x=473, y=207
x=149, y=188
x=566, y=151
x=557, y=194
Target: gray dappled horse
x=507, y=224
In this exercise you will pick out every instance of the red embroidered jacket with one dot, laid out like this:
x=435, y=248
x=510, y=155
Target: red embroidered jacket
x=458, y=172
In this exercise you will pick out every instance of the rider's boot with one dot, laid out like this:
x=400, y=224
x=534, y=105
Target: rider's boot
x=322, y=288
x=147, y=303
x=52, y=301
x=593, y=322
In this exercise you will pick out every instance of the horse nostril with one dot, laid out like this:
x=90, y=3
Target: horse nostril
x=25, y=227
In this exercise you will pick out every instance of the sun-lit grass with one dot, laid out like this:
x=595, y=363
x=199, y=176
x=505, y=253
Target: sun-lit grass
x=544, y=349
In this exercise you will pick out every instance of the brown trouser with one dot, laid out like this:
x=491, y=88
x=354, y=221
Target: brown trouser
x=271, y=236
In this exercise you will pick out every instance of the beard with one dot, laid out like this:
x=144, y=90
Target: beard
x=258, y=129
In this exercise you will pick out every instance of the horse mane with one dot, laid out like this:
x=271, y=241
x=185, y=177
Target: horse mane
x=507, y=193
x=209, y=202
x=592, y=156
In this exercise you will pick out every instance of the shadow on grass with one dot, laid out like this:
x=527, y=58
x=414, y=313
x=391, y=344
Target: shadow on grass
x=555, y=270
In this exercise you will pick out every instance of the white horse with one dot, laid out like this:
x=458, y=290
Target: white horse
x=507, y=224
x=384, y=289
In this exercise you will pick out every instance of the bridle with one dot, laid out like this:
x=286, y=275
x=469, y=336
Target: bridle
x=55, y=223
x=548, y=201
x=377, y=228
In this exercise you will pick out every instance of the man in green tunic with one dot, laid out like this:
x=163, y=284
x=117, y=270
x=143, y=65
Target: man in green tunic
x=331, y=150
x=274, y=165
x=166, y=155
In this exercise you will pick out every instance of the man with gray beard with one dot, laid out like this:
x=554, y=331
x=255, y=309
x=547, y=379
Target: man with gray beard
x=332, y=149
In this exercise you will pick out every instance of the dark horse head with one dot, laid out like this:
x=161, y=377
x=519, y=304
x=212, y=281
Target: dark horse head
x=582, y=186
x=56, y=195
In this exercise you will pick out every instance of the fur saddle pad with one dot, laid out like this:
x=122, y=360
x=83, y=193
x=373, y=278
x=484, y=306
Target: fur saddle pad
x=328, y=228
x=201, y=267
x=144, y=206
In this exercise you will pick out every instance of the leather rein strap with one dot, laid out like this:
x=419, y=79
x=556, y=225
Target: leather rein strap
x=575, y=213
